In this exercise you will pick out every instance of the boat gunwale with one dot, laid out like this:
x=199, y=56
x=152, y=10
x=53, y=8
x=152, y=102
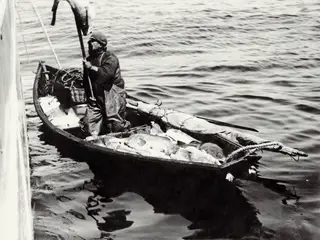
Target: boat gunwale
x=108, y=151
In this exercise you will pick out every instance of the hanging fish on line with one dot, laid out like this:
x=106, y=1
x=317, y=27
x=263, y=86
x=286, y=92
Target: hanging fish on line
x=83, y=11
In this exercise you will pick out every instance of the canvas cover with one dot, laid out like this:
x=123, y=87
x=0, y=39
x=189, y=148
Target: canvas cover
x=189, y=123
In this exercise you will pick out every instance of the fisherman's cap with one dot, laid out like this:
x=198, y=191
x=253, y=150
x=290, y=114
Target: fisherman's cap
x=100, y=38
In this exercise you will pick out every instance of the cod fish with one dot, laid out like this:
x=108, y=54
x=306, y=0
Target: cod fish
x=83, y=11
x=152, y=145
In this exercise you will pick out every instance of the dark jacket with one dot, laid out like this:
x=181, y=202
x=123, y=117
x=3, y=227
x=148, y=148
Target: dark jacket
x=109, y=72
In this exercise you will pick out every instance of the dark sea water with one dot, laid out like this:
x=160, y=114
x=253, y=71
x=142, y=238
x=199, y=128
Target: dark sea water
x=247, y=62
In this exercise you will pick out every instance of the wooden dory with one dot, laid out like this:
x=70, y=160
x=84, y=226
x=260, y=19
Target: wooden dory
x=238, y=148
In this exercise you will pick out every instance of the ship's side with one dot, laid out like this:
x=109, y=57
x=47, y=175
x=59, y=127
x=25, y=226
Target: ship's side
x=15, y=193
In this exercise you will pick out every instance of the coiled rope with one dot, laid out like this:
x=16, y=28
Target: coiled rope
x=67, y=76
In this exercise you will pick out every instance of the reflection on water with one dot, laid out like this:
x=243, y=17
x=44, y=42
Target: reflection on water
x=249, y=62
x=213, y=207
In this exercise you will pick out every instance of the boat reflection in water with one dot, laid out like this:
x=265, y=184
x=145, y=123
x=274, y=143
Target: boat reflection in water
x=215, y=207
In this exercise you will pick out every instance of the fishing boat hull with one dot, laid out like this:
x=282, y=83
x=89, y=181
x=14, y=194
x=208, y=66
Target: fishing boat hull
x=70, y=140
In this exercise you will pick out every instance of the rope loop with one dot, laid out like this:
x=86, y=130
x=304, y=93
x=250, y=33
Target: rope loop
x=296, y=159
x=255, y=148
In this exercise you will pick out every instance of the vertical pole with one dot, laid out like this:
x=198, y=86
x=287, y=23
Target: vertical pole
x=90, y=95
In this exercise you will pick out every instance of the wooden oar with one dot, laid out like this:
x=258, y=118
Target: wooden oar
x=227, y=124
x=207, y=119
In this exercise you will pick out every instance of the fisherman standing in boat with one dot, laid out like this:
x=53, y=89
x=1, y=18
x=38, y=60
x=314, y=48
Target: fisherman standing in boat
x=108, y=111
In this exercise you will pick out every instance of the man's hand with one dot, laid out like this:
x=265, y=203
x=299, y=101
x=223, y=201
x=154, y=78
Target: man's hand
x=87, y=64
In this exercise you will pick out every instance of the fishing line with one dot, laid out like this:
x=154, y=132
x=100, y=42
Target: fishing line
x=45, y=31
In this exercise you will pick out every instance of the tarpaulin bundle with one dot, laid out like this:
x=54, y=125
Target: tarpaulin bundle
x=192, y=124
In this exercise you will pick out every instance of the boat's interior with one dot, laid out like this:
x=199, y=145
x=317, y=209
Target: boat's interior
x=64, y=111
x=62, y=98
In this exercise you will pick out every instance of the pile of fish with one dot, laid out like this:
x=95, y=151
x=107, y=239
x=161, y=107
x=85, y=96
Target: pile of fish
x=172, y=144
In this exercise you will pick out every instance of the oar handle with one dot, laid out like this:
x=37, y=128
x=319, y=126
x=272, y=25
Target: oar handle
x=227, y=124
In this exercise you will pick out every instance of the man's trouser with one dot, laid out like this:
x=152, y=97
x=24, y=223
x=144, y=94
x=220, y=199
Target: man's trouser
x=110, y=117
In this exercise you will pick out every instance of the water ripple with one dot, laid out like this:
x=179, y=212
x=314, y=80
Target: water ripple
x=253, y=63
x=226, y=68
x=307, y=109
